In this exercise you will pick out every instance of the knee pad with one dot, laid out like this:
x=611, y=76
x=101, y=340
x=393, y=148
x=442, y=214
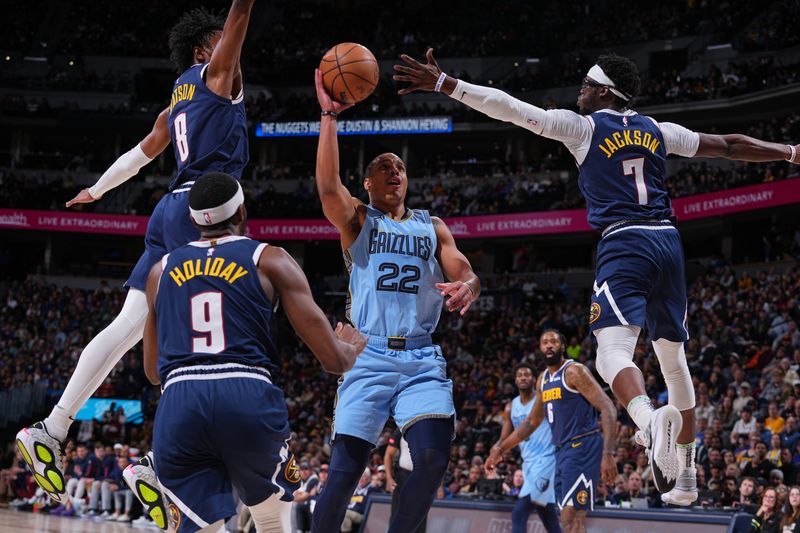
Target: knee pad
x=272, y=516
x=615, y=347
x=672, y=358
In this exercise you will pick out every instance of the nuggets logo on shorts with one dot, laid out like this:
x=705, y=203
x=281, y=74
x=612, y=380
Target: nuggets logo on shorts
x=594, y=312
x=292, y=471
x=581, y=497
x=174, y=517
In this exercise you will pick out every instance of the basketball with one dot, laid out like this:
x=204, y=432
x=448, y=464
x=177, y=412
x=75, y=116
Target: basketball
x=349, y=72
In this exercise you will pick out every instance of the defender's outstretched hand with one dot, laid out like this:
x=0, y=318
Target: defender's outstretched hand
x=325, y=101
x=83, y=197
x=461, y=295
x=421, y=77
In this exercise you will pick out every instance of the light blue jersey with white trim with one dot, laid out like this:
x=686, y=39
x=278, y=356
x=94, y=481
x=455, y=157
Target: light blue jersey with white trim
x=393, y=269
x=540, y=443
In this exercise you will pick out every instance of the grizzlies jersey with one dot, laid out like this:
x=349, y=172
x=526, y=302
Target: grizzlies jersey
x=208, y=131
x=569, y=413
x=622, y=175
x=540, y=443
x=393, y=270
x=212, y=309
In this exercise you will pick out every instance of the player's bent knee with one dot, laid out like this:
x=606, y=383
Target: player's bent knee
x=431, y=460
x=615, y=347
x=272, y=515
x=672, y=358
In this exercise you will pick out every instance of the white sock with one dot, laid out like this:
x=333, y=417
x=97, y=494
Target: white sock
x=640, y=409
x=686, y=455
x=97, y=360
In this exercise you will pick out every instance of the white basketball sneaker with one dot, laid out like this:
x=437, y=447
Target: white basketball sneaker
x=42, y=454
x=659, y=439
x=685, y=491
x=142, y=480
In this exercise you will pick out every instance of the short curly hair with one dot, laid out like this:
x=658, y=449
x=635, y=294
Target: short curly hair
x=625, y=75
x=195, y=28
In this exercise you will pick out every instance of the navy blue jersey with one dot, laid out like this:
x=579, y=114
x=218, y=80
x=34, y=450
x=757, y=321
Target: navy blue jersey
x=622, y=176
x=212, y=309
x=570, y=415
x=208, y=131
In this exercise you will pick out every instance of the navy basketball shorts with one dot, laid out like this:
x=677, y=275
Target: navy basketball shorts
x=578, y=471
x=218, y=430
x=168, y=228
x=640, y=280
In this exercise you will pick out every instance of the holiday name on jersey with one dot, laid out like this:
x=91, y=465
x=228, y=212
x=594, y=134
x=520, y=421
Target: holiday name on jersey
x=215, y=267
x=383, y=242
x=628, y=138
x=184, y=91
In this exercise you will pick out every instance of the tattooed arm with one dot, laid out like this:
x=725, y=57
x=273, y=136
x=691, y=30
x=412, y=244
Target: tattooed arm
x=579, y=378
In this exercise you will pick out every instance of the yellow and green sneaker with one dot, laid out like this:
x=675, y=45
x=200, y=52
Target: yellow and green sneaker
x=42, y=454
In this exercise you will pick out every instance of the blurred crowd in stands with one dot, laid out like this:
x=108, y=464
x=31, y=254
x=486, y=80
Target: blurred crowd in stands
x=744, y=355
x=445, y=191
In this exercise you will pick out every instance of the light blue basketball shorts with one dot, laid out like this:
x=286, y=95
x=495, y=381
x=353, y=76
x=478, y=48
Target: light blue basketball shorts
x=539, y=483
x=408, y=384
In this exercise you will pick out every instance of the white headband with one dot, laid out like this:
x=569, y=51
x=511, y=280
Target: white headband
x=597, y=74
x=215, y=215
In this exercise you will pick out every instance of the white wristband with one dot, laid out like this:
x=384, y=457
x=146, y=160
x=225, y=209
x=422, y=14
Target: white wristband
x=440, y=81
x=793, y=153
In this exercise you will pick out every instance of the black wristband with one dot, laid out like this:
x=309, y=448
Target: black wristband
x=333, y=114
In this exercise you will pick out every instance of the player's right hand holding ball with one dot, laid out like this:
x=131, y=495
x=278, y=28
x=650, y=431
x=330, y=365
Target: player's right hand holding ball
x=325, y=101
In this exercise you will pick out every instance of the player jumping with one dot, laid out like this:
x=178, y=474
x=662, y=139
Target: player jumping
x=206, y=124
x=571, y=397
x=640, y=280
x=396, y=257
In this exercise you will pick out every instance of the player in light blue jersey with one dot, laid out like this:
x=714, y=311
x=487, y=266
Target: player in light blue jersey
x=398, y=259
x=569, y=398
x=538, y=459
x=206, y=124
x=640, y=281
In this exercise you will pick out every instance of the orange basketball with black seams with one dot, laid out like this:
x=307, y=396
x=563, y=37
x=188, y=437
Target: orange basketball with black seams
x=349, y=72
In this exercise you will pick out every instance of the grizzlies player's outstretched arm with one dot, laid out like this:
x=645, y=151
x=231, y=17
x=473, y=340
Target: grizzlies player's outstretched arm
x=508, y=427
x=579, y=378
x=150, y=341
x=128, y=164
x=224, y=75
x=745, y=148
x=525, y=430
x=463, y=287
x=336, y=352
x=340, y=208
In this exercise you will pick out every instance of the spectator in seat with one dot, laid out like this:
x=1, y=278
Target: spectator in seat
x=759, y=466
x=769, y=516
x=302, y=509
x=358, y=503
x=774, y=422
x=744, y=426
x=790, y=523
x=122, y=494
